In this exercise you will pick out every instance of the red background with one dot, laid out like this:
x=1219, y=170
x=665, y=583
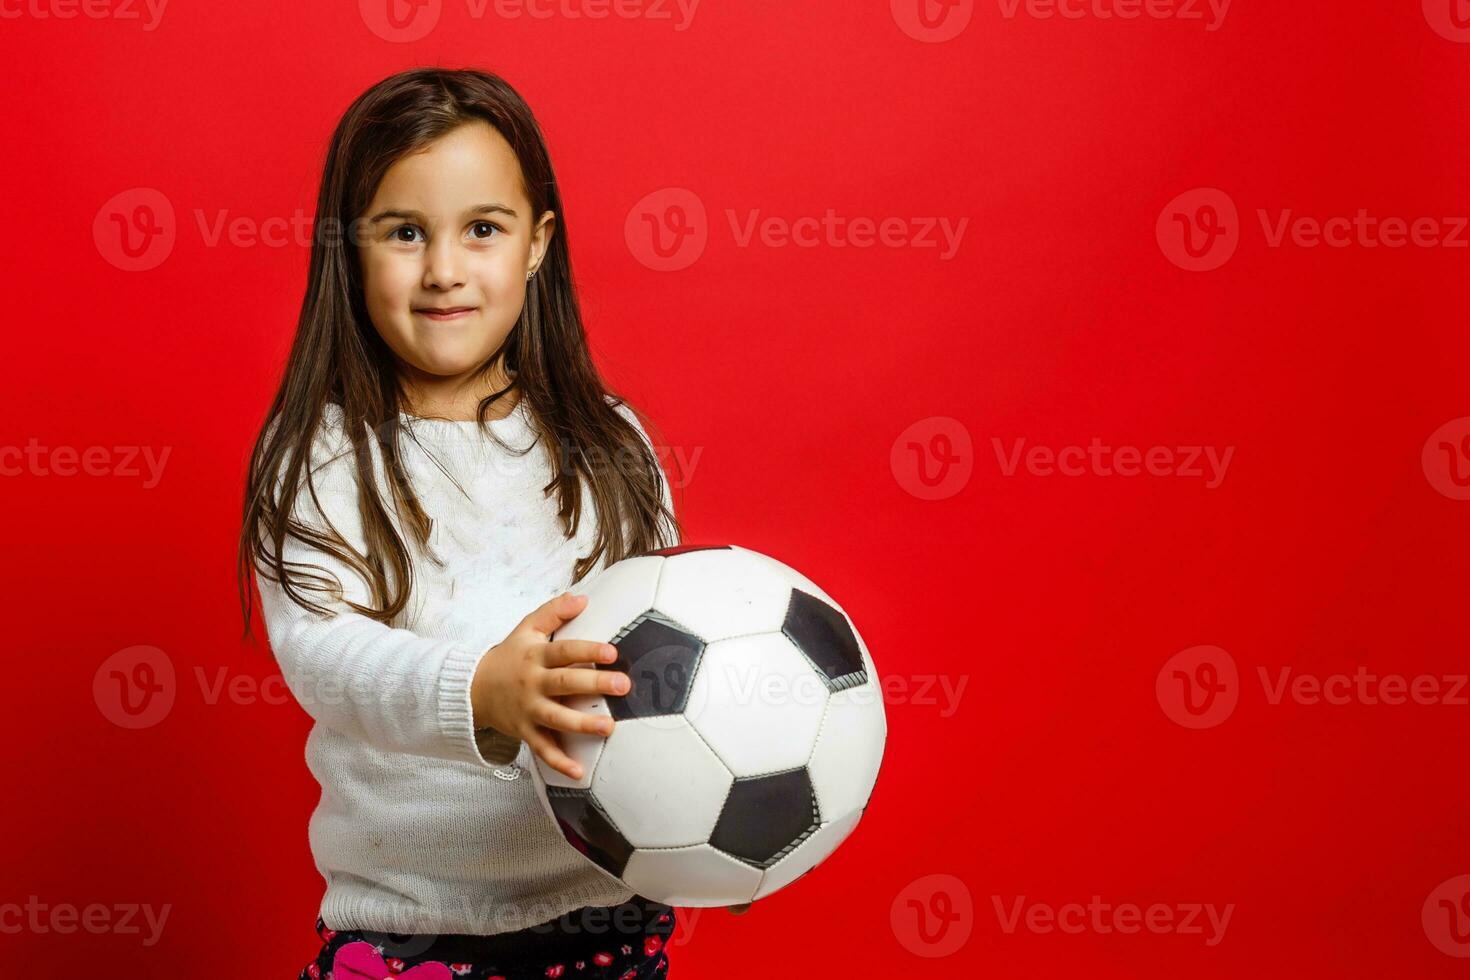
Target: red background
x=793, y=372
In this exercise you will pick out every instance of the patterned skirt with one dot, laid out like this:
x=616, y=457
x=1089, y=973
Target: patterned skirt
x=622, y=942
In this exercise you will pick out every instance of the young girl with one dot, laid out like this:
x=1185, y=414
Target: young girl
x=440, y=464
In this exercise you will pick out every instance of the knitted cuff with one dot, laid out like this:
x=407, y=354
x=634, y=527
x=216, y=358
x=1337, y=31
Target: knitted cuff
x=456, y=715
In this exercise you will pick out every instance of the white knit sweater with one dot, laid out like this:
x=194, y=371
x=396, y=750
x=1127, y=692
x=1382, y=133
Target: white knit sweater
x=421, y=828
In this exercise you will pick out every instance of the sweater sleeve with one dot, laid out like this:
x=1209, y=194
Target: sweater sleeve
x=388, y=687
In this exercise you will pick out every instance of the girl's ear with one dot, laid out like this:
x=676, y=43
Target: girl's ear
x=541, y=240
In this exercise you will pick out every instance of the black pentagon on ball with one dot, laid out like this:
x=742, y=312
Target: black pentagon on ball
x=765, y=817
x=588, y=828
x=660, y=658
x=824, y=637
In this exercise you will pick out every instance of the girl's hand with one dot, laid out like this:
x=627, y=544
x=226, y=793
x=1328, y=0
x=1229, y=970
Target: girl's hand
x=738, y=909
x=513, y=688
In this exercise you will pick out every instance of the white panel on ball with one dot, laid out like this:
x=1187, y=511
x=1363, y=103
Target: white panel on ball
x=623, y=591
x=659, y=782
x=758, y=703
x=692, y=877
x=808, y=854
x=718, y=593
x=844, y=766
x=790, y=575
x=584, y=747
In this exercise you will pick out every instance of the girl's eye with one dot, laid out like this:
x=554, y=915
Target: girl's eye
x=482, y=228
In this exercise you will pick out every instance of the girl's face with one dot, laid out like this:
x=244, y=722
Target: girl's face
x=449, y=229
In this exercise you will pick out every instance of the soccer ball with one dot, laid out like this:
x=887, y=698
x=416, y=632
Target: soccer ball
x=749, y=744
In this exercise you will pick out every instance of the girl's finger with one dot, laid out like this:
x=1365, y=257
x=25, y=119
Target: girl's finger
x=552, y=614
x=561, y=653
x=565, y=681
x=544, y=746
x=559, y=716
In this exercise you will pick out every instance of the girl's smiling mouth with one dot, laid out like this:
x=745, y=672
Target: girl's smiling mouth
x=445, y=312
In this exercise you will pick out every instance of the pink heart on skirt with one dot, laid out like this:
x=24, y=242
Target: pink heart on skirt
x=360, y=961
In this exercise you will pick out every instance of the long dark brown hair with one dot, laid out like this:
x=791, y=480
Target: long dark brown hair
x=337, y=357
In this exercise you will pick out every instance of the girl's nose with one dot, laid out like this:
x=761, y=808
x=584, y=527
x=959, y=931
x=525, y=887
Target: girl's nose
x=444, y=267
